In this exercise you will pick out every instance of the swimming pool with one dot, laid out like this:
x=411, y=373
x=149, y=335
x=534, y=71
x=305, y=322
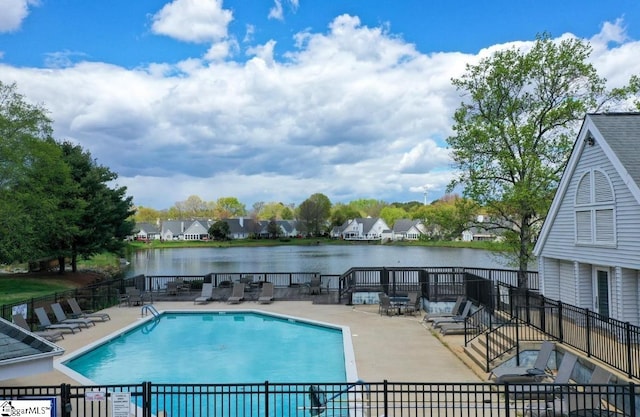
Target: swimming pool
x=217, y=347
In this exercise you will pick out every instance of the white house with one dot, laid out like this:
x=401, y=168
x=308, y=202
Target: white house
x=589, y=247
x=364, y=229
x=407, y=229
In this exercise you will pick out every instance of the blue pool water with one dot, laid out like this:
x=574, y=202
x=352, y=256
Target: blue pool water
x=217, y=347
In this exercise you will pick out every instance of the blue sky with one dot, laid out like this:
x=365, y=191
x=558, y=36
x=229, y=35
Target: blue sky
x=275, y=100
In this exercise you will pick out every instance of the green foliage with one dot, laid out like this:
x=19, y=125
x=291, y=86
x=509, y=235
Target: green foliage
x=513, y=134
x=313, y=214
x=340, y=213
x=367, y=207
x=54, y=199
x=390, y=214
x=219, y=230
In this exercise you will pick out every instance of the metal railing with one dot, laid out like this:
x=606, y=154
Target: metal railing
x=334, y=399
x=529, y=316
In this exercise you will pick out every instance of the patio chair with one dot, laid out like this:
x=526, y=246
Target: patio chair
x=542, y=390
x=206, y=294
x=413, y=305
x=237, y=295
x=62, y=317
x=50, y=335
x=455, y=310
x=315, y=286
x=266, y=295
x=132, y=296
x=505, y=373
x=77, y=312
x=385, y=305
x=172, y=288
x=455, y=319
x=46, y=324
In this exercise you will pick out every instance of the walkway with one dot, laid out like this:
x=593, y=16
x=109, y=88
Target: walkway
x=397, y=348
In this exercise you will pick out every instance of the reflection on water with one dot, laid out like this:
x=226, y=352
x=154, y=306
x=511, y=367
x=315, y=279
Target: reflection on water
x=325, y=259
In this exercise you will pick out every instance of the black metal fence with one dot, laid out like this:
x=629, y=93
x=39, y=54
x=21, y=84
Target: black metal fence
x=96, y=296
x=335, y=399
x=519, y=315
x=434, y=283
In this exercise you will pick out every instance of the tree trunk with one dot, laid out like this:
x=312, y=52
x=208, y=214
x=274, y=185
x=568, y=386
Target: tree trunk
x=74, y=262
x=61, y=265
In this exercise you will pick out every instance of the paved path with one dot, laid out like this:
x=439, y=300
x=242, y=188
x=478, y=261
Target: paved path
x=396, y=348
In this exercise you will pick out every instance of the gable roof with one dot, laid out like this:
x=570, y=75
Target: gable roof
x=23, y=352
x=618, y=135
x=404, y=225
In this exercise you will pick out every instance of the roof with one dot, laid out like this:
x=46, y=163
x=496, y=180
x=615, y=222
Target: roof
x=618, y=135
x=19, y=347
x=404, y=225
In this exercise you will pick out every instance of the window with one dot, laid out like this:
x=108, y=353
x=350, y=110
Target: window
x=594, y=210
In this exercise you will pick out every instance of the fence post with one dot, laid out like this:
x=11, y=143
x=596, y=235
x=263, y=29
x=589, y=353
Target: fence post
x=632, y=398
x=627, y=329
x=266, y=398
x=146, y=399
x=65, y=400
x=588, y=327
x=385, y=397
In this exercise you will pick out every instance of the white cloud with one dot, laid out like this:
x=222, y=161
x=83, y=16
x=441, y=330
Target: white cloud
x=13, y=13
x=352, y=113
x=198, y=21
x=276, y=12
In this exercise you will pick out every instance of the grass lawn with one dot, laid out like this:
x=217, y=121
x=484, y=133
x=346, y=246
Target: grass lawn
x=13, y=289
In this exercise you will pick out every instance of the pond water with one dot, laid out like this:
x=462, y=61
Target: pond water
x=325, y=259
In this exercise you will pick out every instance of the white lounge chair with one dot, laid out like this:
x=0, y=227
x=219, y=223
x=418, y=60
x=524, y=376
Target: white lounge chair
x=206, y=295
x=62, y=317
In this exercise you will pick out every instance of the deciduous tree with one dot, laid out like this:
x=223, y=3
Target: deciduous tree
x=514, y=131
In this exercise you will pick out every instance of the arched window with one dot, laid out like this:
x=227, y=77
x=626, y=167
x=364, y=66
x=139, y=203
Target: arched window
x=595, y=210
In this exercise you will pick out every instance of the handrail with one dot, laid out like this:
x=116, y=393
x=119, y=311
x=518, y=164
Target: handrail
x=149, y=308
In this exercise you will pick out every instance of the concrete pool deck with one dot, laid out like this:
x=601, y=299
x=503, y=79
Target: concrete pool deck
x=393, y=348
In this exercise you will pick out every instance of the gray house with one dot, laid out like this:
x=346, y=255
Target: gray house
x=589, y=247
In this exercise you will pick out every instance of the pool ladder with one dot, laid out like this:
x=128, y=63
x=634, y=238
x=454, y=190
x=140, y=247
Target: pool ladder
x=149, y=308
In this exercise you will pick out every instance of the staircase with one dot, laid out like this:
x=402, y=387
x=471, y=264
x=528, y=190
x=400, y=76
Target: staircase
x=500, y=343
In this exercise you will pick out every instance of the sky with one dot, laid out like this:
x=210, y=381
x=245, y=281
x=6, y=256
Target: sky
x=275, y=100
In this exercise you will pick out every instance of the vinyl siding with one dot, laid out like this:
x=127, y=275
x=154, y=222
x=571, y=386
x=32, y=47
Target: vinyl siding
x=561, y=240
x=630, y=297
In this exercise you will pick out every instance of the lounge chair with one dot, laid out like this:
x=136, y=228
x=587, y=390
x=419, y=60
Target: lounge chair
x=571, y=402
x=266, y=295
x=46, y=324
x=206, y=295
x=78, y=312
x=62, y=317
x=50, y=335
x=455, y=319
x=526, y=373
x=543, y=390
x=455, y=310
x=237, y=294
x=457, y=328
